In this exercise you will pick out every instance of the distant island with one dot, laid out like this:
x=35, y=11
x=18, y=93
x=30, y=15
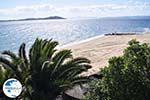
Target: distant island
x=27, y=19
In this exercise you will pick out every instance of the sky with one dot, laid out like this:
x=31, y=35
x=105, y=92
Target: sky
x=16, y=9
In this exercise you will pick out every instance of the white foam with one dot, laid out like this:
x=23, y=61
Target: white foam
x=147, y=30
x=82, y=41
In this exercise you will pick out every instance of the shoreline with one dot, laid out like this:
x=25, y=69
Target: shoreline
x=82, y=41
x=96, y=37
x=100, y=48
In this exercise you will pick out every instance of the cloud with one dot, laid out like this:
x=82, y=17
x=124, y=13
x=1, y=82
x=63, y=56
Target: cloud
x=130, y=8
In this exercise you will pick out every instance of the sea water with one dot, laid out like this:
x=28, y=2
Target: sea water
x=13, y=34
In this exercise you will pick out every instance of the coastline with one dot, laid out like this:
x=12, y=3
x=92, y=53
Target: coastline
x=100, y=48
x=79, y=42
x=95, y=37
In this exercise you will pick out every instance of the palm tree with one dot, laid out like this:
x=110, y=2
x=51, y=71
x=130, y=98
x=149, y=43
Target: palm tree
x=15, y=66
x=45, y=72
x=4, y=75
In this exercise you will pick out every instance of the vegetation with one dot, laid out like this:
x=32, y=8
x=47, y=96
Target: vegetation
x=126, y=78
x=45, y=73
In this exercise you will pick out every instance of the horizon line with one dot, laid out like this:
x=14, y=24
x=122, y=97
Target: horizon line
x=40, y=18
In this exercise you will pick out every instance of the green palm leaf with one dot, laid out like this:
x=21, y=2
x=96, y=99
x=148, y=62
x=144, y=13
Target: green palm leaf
x=59, y=59
x=10, y=54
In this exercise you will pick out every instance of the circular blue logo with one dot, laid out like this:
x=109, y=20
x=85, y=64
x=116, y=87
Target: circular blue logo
x=12, y=88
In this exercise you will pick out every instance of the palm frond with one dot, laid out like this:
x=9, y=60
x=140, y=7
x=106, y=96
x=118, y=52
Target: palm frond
x=79, y=60
x=9, y=65
x=34, y=55
x=48, y=48
x=66, y=70
x=10, y=54
x=7, y=62
x=71, y=68
x=22, y=54
x=79, y=80
x=59, y=58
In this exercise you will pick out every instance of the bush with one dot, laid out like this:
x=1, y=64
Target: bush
x=126, y=78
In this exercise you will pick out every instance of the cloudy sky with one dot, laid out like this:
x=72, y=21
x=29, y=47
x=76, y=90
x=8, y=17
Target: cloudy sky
x=14, y=9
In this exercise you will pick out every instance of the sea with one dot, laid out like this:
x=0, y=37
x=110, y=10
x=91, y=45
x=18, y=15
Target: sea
x=14, y=33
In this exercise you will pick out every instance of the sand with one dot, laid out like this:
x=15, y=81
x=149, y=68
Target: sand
x=100, y=49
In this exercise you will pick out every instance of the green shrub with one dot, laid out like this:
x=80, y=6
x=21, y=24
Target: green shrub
x=126, y=78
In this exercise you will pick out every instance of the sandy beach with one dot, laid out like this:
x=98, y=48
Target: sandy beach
x=100, y=49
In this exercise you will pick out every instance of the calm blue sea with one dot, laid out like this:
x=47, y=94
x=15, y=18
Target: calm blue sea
x=13, y=34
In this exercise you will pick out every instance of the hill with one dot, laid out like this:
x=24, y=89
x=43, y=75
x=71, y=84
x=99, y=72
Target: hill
x=27, y=19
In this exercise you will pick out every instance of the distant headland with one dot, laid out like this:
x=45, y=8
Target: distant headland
x=28, y=19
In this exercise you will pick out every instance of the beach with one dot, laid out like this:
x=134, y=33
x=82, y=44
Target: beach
x=101, y=48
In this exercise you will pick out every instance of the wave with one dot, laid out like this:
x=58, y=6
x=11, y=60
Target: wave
x=147, y=30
